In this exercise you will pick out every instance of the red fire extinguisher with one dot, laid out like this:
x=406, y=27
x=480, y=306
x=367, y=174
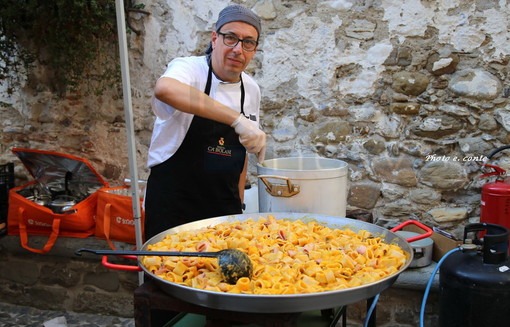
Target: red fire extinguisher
x=495, y=202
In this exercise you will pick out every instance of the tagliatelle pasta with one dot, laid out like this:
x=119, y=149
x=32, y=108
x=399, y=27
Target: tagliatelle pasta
x=289, y=257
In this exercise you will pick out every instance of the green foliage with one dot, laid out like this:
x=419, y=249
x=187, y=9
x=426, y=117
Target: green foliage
x=75, y=40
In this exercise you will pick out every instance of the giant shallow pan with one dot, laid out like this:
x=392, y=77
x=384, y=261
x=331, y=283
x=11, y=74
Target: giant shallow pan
x=282, y=303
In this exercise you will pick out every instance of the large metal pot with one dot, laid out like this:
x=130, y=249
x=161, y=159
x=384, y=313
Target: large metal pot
x=303, y=184
x=282, y=303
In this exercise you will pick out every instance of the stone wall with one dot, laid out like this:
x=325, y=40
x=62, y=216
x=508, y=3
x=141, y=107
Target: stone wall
x=412, y=94
x=60, y=280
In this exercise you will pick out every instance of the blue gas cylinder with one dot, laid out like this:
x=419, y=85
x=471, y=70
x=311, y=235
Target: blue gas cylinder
x=474, y=285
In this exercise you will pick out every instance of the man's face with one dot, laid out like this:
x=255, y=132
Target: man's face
x=229, y=62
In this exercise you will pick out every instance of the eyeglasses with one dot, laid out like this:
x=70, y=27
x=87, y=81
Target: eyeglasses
x=231, y=40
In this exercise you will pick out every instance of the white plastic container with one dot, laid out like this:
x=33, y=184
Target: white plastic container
x=251, y=199
x=303, y=184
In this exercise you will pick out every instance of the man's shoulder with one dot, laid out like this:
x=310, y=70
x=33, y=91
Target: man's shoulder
x=187, y=68
x=191, y=60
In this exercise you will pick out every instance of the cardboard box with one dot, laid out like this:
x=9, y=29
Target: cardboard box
x=442, y=242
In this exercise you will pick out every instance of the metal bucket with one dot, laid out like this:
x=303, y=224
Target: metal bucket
x=303, y=184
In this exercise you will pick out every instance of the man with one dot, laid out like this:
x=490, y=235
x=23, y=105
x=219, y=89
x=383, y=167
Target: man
x=207, y=113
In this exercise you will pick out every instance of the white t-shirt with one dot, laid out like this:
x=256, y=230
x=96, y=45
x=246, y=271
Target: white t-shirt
x=171, y=125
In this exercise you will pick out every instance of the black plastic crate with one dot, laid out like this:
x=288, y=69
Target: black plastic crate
x=6, y=183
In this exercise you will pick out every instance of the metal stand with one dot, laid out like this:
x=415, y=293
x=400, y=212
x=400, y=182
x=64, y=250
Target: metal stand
x=155, y=308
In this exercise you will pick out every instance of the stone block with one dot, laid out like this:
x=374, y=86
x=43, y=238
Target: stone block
x=109, y=304
x=475, y=83
x=405, y=108
x=443, y=175
x=445, y=215
x=364, y=195
x=410, y=83
x=19, y=271
x=374, y=146
x=332, y=132
x=108, y=281
x=47, y=297
x=60, y=274
x=394, y=170
x=437, y=65
x=436, y=127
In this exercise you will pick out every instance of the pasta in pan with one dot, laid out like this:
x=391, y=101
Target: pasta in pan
x=289, y=257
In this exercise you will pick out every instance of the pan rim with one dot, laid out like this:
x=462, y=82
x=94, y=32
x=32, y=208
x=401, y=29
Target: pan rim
x=289, y=302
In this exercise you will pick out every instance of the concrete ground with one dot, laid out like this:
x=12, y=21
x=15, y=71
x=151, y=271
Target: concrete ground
x=21, y=316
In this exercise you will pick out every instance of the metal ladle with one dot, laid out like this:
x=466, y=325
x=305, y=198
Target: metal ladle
x=233, y=263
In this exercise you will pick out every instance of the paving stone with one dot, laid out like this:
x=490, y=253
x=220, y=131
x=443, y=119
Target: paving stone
x=15, y=316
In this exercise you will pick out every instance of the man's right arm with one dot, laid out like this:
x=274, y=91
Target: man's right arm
x=188, y=99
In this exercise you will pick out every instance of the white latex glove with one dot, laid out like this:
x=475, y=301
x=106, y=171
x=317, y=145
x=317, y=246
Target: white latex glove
x=261, y=155
x=250, y=136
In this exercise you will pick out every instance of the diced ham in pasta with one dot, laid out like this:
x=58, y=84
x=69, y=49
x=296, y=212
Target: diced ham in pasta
x=288, y=257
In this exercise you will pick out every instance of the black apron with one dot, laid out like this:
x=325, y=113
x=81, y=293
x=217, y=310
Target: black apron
x=201, y=180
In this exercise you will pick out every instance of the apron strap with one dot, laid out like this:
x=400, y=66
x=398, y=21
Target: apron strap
x=207, y=89
x=242, y=96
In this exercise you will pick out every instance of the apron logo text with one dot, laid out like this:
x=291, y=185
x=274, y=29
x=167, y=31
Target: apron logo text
x=220, y=150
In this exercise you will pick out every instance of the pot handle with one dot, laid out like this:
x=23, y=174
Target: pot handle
x=417, y=223
x=110, y=265
x=280, y=189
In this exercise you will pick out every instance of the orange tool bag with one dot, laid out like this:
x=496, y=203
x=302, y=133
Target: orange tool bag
x=61, y=201
x=115, y=219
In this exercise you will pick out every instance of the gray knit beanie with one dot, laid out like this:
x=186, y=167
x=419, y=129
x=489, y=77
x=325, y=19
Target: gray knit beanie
x=236, y=13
